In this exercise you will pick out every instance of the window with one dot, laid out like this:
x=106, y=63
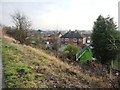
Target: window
x=66, y=39
x=75, y=40
x=88, y=37
x=88, y=41
x=62, y=39
x=80, y=40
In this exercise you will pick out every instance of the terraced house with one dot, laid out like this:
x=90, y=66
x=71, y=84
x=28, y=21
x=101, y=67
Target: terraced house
x=74, y=37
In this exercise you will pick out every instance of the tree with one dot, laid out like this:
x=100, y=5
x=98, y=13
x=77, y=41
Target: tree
x=55, y=41
x=7, y=30
x=105, y=40
x=10, y=31
x=22, y=25
x=70, y=51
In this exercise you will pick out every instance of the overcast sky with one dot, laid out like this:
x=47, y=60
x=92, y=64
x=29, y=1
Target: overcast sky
x=59, y=14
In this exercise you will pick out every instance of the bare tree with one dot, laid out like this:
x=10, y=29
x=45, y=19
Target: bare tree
x=22, y=25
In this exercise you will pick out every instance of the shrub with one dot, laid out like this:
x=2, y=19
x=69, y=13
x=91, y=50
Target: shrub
x=70, y=51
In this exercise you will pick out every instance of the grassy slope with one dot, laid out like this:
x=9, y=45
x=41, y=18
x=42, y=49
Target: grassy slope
x=27, y=67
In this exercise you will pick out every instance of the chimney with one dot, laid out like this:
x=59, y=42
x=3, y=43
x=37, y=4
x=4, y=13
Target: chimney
x=69, y=30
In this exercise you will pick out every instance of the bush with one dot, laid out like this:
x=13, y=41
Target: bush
x=70, y=51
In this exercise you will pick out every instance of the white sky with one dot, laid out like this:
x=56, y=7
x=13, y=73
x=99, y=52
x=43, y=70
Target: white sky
x=59, y=14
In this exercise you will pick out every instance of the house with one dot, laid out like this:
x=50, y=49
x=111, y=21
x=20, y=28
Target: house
x=87, y=34
x=52, y=36
x=73, y=37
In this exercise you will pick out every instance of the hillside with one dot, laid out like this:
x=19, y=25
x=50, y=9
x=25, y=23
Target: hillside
x=27, y=67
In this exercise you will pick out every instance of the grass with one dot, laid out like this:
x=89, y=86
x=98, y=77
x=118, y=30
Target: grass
x=27, y=67
x=15, y=70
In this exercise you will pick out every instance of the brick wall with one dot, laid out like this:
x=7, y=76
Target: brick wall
x=72, y=41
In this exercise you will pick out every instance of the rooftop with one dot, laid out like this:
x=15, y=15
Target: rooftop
x=73, y=34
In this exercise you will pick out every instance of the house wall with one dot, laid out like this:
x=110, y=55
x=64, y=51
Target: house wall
x=71, y=41
x=84, y=40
